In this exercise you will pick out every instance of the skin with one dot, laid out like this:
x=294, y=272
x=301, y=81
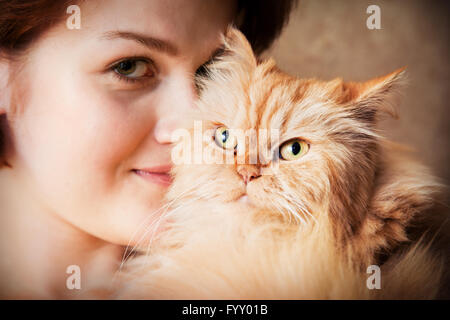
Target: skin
x=78, y=133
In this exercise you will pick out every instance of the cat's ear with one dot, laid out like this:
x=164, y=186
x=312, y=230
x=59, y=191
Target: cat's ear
x=232, y=65
x=236, y=55
x=367, y=100
x=238, y=46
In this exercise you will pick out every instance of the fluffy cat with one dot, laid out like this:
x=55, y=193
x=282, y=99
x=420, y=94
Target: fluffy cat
x=330, y=199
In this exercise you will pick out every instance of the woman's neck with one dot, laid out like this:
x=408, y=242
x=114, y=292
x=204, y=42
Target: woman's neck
x=37, y=247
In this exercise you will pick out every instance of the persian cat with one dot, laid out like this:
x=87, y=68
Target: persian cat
x=324, y=208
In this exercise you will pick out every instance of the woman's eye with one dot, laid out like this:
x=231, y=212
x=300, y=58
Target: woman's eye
x=293, y=149
x=224, y=139
x=133, y=69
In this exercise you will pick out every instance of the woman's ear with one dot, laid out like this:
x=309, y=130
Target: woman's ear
x=5, y=91
x=5, y=107
x=369, y=99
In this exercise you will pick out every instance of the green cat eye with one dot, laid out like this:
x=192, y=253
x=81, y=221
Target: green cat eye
x=223, y=138
x=293, y=149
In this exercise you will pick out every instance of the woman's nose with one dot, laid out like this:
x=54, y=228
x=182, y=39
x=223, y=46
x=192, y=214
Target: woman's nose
x=177, y=98
x=165, y=128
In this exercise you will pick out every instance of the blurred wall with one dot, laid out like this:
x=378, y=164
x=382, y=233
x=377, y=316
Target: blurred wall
x=329, y=38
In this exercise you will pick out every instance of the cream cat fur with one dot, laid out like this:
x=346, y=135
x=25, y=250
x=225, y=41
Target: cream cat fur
x=313, y=225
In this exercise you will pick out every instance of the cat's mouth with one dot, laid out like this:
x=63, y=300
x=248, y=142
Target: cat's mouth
x=244, y=199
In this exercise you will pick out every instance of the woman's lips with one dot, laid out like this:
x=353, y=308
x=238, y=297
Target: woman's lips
x=159, y=175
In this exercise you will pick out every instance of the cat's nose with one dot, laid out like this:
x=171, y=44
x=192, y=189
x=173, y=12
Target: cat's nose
x=248, y=173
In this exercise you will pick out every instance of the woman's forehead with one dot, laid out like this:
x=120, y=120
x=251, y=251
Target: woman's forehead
x=186, y=25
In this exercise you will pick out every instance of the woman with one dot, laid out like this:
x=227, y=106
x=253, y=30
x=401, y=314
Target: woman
x=86, y=119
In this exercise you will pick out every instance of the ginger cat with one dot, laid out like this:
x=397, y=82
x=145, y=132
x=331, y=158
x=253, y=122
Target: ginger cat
x=322, y=203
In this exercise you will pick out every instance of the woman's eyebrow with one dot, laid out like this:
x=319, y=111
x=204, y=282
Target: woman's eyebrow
x=149, y=42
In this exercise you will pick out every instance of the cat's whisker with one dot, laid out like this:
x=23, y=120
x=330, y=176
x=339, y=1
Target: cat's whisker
x=293, y=212
x=147, y=219
x=166, y=214
x=305, y=210
x=300, y=206
x=171, y=212
x=149, y=227
x=298, y=203
x=284, y=194
x=280, y=206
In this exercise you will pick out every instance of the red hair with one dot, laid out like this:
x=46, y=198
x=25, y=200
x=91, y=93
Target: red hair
x=23, y=21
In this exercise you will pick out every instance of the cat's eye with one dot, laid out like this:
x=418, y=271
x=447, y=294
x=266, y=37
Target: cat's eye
x=293, y=149
x=224, y=139
x=133, y=69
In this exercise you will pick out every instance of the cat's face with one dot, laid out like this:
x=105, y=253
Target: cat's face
x=309, y=143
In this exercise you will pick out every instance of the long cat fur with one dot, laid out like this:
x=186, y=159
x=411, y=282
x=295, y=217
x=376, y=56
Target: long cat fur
x=316, y=225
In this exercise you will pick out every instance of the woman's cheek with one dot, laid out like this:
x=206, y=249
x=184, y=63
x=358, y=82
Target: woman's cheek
x=117, y=130
x=78, y=151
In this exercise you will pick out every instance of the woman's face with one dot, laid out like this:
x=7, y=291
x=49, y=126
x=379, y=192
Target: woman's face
x=92, y=137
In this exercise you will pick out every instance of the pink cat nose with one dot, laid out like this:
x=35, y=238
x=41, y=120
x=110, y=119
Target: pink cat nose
x=248, y=173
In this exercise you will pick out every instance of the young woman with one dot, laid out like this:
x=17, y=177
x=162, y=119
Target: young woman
x=86, y=120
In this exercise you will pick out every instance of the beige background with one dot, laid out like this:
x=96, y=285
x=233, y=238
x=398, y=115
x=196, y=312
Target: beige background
x=329, y=38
